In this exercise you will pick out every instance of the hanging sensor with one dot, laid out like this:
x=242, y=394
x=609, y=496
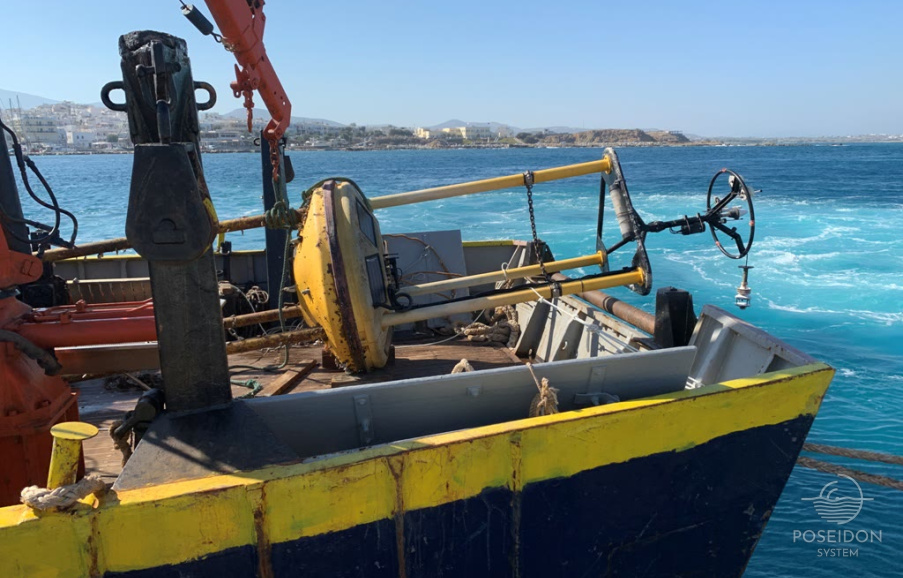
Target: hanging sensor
x=734, y=213
x=742, y=299
x=197, y=18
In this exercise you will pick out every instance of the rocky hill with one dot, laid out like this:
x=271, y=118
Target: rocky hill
x=615, y=136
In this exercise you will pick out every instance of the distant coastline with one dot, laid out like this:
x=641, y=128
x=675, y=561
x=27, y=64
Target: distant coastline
x=65, y=128
x=301, y=148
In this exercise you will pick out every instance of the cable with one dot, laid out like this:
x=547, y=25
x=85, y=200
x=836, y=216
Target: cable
x=447, y=339
x=23, y=161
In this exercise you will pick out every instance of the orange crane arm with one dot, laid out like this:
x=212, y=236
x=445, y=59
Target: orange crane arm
x=241, y=23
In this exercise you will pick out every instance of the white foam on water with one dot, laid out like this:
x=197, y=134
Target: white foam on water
x=884, y=317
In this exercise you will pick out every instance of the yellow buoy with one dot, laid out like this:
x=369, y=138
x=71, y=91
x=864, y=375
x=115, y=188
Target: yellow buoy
x=340, y=275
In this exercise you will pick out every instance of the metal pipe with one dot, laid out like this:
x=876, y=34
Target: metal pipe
x=121, y=244
x=504, y=274
x=261, y=317
x=67, y=313
x=623, y=311
x=498, y=300
x=80, y=331
x=256, y=221
x=275, y=340
x=601, y=166
x=90, y=331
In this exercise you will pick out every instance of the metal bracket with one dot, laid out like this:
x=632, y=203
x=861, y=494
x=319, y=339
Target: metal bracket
x=364, y=419
x=594, y=394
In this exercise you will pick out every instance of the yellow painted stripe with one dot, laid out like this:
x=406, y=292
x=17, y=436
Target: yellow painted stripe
x=153, y=533
x=176, y=522
x=329, y=500
x=549, y=451
x=437, y=475
x=53, y=546
x=498, y=243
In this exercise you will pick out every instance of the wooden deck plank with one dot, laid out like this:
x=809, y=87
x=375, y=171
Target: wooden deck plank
x=287, y=381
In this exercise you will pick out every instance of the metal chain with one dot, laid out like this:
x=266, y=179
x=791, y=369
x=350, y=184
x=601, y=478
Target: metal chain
x=528, y=182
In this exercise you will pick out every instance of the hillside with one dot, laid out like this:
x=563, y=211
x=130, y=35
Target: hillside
x=612, y=136
x=8, y=99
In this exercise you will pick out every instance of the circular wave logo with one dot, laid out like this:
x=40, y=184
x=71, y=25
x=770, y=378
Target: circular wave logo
x=839, y=504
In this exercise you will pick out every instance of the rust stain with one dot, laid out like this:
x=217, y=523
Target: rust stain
x=396, y=468
x=516, y=504
x=257, y=496
x=91, y=549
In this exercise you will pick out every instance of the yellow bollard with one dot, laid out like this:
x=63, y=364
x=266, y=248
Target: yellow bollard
x=67, y=448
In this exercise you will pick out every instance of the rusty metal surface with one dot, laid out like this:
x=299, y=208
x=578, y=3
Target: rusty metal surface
x=108, y=290
x=121, y=243
x=261, y=317
x=275, y=340
x=623, y=311
x=343, y=294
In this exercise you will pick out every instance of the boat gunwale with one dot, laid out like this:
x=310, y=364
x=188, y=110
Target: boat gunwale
x=12, y=515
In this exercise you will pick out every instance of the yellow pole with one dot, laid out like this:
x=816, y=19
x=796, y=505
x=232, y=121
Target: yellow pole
x=490, y=301
x=492, y=277
x=541, y=176
x=67, y=449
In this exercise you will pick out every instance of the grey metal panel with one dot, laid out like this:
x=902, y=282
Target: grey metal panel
x=488, y=258
x=200, y=444
x=326, y=421
x=532, y=319
x=432, y=251
x=562, y=334
x=730, y=348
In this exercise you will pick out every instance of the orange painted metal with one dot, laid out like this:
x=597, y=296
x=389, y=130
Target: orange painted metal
x=241, y=25
x=17, y=268
x=31, y=402
x=84, y=324
x=90, y=332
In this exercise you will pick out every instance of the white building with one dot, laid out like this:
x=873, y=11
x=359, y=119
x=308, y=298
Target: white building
x=476, y=132
x=80, y=139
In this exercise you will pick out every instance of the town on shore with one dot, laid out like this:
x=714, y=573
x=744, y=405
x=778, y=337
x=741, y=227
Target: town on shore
x=70, y=128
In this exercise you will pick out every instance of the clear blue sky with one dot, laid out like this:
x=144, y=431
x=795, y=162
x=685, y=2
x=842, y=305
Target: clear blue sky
x=711, y=68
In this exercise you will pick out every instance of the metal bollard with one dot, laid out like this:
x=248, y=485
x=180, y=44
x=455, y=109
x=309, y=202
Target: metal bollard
x=67, y=447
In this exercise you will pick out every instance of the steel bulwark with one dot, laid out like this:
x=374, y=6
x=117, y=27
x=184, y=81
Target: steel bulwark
x=487, y=501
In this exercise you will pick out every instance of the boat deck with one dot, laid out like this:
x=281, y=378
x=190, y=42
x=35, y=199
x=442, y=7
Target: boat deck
x=101, y=403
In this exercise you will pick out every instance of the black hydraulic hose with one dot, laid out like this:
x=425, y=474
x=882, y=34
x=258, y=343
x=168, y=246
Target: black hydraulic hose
x=44, y=358
x=23, y=161
x=56, y=206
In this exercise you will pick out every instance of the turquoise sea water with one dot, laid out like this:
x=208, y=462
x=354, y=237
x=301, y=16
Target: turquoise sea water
x=828, y=274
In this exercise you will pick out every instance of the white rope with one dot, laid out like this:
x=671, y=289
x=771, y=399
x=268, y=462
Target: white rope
x=62, y=497
x=447, y=339
x=546, y=401
x=462, y=366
